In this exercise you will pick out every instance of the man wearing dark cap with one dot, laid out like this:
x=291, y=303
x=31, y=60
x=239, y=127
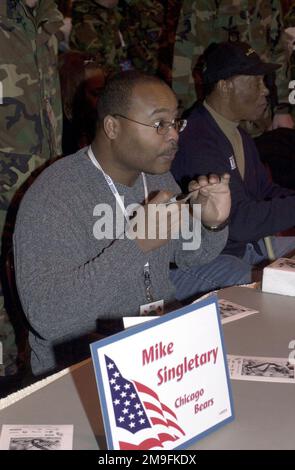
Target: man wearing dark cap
x=258, y=22
x=214, y=142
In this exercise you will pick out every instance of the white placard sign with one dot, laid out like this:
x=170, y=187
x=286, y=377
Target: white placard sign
x=165, y=383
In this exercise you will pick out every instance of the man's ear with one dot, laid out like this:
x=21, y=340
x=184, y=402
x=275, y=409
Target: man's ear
x=224, y=86
x=111, y=126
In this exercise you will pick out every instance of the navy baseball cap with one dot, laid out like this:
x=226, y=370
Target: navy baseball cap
x=226, y=59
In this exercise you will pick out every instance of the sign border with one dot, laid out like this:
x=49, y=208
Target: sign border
x=212, y=299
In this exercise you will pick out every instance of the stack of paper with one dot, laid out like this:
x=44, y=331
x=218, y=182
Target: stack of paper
x=279, y=277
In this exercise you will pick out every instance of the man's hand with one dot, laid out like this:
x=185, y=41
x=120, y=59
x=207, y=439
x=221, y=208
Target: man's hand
x=213, y=194
x=288, y=40
x=155, y=223
x=282, y=120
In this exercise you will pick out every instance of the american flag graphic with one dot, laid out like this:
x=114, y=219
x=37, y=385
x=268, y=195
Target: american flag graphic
x=142, y=421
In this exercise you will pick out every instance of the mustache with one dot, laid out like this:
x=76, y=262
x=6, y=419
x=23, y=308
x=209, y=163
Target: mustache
x=173, y=148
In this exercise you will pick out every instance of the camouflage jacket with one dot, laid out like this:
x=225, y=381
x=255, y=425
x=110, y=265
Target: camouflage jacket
x=122, y=37
x=289, y=22
x=289, y=18
x=30, y=109
x=258, y=22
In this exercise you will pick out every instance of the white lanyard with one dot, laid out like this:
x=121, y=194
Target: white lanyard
x=147, y=279
x=112, y=185
x=123, y=43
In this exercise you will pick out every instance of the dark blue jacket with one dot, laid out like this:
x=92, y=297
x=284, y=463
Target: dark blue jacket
x=259, y=207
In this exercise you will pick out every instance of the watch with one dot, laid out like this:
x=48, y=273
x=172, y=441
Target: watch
x=216, y=228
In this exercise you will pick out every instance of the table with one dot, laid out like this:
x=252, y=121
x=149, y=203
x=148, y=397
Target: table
x=265, y=412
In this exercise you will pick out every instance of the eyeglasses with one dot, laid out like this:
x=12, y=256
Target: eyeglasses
x=161, y=126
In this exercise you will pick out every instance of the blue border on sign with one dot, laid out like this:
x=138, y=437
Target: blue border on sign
x=94, y=347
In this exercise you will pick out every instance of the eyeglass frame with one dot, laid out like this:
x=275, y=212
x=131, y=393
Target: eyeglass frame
x=157, y=124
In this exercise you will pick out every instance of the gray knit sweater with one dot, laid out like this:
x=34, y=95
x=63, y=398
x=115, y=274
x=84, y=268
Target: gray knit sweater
x=66, y=278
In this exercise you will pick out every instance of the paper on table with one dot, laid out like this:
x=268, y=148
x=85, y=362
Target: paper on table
x=261, y=369
x=36, y=437
x=229, y=311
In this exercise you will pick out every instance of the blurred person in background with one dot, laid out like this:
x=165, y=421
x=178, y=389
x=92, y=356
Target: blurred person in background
x=31, y=120
x=122, y=35
x=82, y=80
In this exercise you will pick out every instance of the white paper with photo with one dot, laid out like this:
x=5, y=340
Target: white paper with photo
x=229, y=311
x=36, y=437
x=261, y=369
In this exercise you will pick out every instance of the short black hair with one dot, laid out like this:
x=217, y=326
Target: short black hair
x=116, y=95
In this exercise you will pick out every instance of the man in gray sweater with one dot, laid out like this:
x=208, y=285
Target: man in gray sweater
x=73, y=268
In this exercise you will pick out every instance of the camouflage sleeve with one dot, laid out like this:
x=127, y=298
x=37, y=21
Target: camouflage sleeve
x=278, y=52
x=289, y=18
x=194, y=34
x=84, y=35
x=143, y=26
x=289, y=22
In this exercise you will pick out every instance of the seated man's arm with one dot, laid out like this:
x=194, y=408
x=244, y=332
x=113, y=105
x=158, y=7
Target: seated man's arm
x=60, y=290
x=256, y=212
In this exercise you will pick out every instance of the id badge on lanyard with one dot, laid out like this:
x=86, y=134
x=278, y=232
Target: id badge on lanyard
x=152, y=307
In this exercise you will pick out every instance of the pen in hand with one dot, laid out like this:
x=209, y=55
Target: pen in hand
x=181, y=197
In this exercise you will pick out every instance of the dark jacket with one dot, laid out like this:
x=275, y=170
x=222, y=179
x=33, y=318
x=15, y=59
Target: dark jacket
x=259, y=207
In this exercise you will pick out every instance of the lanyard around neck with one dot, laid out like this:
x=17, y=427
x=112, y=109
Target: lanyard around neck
x=112, y=186
x=146, y=272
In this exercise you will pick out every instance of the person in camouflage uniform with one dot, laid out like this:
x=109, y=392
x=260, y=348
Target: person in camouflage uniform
x=143, y=21
x=167, y=40
x=289, y=22
x=95, y=29
x=122, y=35
x=289, y=17
x=30, y=114
x=257, y=22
